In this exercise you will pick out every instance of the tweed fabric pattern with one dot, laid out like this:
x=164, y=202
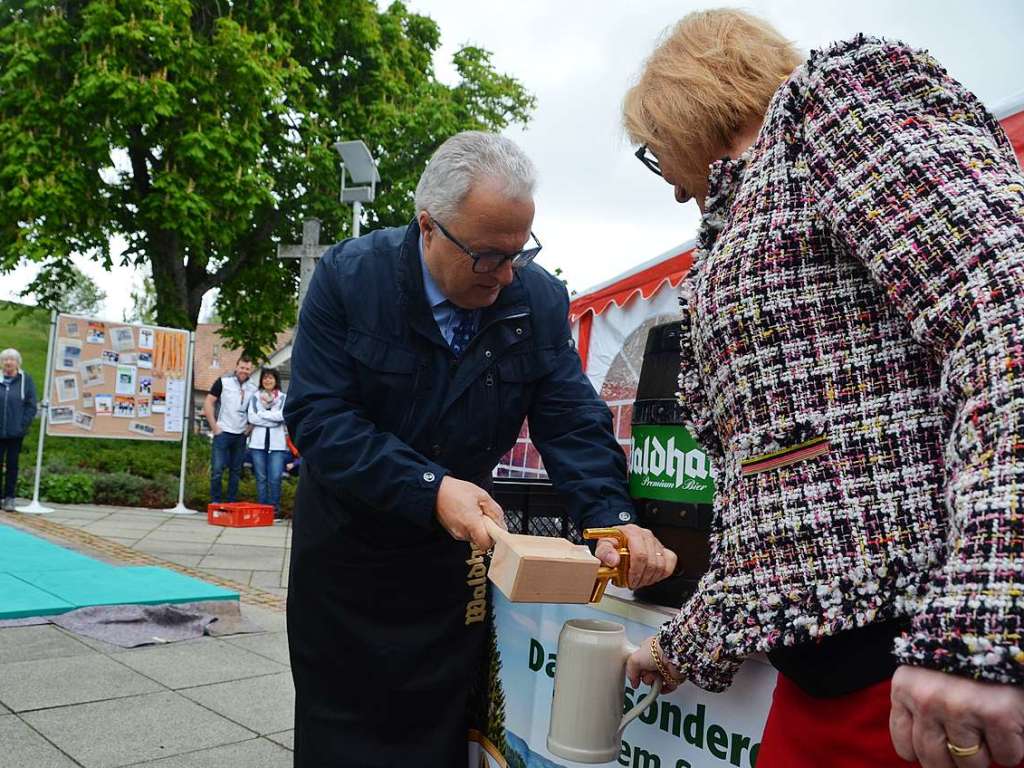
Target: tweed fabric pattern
x=859, y=284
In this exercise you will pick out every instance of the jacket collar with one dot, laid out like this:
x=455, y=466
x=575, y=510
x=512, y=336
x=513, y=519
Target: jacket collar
x=511, y=302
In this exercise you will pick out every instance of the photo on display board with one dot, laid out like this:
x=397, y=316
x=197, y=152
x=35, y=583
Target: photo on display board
x=96, y=334
x=122, y=339
x=145, y=360
x=159, y=402
x=127, y=358
x=124, y=407
x=61, y=414
x=142, y=407
x=104, y=405
x=146, y=337
x=109, y=357
x=83, y=421
x=71, y=329
x=143, y=429
x=67, y=388
x=69, y=353
x=125, y=382
x=145, y=385
x=88, y=402
x=94, y=373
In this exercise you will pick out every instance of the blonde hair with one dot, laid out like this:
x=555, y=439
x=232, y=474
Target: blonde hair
x=713, y=74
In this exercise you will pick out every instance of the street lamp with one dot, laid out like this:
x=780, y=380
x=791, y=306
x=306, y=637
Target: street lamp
x=356, y=158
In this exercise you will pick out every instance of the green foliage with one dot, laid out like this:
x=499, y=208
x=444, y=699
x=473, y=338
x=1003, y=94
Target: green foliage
x=201, y=132
x=143, y=308
x=80, y=296
x=75, y=488
x=27, y=330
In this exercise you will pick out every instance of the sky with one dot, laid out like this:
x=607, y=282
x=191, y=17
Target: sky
x=599, y=211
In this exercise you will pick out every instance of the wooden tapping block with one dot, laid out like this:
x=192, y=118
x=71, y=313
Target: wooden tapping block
x=543, y=569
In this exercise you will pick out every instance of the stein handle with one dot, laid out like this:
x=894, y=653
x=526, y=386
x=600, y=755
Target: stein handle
x=643, y=704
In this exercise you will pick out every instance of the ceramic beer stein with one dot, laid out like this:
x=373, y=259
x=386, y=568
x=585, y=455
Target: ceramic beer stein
x=590, y=679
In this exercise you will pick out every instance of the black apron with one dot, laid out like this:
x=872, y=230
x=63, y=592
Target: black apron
x=386, y=632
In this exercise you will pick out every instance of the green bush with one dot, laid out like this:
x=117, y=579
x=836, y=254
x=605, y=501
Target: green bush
x=67, y=489
x=118, y=488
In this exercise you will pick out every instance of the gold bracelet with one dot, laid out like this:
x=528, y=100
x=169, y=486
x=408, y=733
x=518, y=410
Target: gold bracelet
x=662, y=669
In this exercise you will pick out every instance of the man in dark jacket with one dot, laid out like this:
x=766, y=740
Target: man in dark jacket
x=418, y=354
x=17, y=409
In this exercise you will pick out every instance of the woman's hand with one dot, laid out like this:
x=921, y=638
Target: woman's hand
x=932, y=709
x=641, y=666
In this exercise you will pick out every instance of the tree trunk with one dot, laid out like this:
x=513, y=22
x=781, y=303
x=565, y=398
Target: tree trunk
x=173, y=308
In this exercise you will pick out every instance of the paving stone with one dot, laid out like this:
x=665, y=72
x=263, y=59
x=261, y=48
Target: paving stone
x=266, y=579
x=27, y=685
x=39, y=642
x=239, y=562
x=164, y=547
x=121, y=732
x=273, y=645
x=255, y=753
x=236, y=575
x=190, y=561
x=24, y=748
x=198, y=662
x=286, y=739
x=268, y=619
x=262, y=704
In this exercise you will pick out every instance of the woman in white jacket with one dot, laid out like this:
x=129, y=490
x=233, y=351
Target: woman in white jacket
x=267, y=439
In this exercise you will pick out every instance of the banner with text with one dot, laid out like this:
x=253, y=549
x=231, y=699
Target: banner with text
x=689, y=728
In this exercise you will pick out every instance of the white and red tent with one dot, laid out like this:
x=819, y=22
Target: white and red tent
x=610, y=323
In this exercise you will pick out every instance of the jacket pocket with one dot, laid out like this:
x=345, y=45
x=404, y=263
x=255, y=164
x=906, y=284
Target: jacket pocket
x=517, y=377
x=387, y=379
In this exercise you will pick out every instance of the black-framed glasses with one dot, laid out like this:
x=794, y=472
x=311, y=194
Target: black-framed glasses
x=645, y=156
x=489, y=261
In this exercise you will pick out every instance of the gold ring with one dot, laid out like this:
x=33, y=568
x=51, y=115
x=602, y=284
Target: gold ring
x=956, y=751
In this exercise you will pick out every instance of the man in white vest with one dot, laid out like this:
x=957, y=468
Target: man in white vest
x=230, y=395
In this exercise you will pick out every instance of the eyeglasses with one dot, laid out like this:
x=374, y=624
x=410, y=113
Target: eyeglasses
x=645, y=156
x=490, y=261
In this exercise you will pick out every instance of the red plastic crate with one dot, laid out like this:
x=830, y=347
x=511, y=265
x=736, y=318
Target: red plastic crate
x=240, y=514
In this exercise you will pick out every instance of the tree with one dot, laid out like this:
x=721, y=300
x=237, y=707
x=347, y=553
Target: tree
x=81, y=296
x=201, y=132
x=143, y=302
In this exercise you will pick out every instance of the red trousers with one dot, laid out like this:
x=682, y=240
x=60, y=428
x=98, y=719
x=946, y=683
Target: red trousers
x=850, y=731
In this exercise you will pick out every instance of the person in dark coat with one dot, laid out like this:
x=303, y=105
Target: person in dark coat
x=419, y=352
x=17, y=409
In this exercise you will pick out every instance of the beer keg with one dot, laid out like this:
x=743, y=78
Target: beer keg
x=670, y=479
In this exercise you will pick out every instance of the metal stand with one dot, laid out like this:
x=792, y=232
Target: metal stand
x=186, y=421
x=35, y=508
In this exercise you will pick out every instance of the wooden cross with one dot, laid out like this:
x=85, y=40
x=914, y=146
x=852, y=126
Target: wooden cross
x=309, y=251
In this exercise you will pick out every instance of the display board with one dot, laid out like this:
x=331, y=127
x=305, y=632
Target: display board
x=117, y=380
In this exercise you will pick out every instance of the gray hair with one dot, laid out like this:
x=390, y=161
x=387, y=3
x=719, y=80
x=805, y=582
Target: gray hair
x=12, y=353
x=468, y=158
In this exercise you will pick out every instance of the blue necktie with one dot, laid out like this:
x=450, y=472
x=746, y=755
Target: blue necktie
x=464, y=330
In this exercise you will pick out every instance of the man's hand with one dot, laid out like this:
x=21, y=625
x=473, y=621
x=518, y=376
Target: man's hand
x=461, y=507
x=931, y=709
x=649, y=561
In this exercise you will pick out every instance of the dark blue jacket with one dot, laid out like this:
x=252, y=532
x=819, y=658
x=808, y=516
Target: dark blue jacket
x=381, y=410
x=17, y=405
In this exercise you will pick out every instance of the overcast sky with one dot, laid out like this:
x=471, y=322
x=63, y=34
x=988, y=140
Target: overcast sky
x=599, y=211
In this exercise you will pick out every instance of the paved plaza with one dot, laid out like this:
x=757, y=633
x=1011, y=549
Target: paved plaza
x=227, y=702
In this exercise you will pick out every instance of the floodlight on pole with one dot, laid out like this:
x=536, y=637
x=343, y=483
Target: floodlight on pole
x=357, y=160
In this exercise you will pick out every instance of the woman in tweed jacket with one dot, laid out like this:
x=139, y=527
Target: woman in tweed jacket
x=853, y=360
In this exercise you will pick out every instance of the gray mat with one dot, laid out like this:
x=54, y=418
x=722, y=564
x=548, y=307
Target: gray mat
x=130, y=626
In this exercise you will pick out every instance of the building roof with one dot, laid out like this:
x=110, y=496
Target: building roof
x=214, y=358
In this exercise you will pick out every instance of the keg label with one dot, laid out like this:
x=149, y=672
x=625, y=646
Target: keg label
x=667, y=464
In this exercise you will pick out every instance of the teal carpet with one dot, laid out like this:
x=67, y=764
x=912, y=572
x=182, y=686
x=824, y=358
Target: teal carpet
x=38, y=578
